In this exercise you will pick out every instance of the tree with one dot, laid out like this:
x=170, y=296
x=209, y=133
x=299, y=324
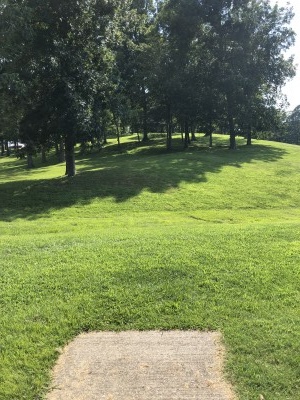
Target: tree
x=59, y=52
x=250, y=38
x=293, y=127
x=131, y=43
x=177, y=24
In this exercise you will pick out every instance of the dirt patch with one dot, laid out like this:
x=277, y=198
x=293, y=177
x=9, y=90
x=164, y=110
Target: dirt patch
x=153, y=365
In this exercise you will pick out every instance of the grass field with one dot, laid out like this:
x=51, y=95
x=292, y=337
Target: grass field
x=203, y=239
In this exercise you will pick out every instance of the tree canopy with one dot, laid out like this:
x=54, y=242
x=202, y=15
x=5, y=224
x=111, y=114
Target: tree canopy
x=69, y=69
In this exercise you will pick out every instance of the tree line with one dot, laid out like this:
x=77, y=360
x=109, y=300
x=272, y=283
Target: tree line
x=71, y=71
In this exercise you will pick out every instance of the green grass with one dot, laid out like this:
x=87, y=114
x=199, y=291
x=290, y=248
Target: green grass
x=203, y=239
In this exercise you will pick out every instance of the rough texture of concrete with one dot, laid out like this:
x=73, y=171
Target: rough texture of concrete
x=153, y=365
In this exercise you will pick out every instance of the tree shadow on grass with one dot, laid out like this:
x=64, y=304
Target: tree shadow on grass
x=122, y=176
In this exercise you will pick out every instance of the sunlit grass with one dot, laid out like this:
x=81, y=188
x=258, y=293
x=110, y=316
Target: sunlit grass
x=143, y=239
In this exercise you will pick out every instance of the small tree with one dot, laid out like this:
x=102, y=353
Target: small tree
x=293, y=127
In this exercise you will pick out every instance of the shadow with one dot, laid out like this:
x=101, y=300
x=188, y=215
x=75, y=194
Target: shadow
x=10, y=167
x=123, y=175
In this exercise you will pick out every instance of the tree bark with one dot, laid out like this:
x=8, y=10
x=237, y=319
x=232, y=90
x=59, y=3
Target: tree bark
x=187, y=140
x=210, y=140
x=193, y=133
x=210, y=133
x=145, y=117
x=118, y=133
x=249, y=137
x=44, y=158
x=61, y=151
x=169, y=129
x=30, y=163
x=104, y=135
x=232, y=141
x=7, y=148
x=70, y=155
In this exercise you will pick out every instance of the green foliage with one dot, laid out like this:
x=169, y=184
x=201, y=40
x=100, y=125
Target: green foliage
x=293, y=127
x=144, y=239
x=59, y=60
x=65, y=67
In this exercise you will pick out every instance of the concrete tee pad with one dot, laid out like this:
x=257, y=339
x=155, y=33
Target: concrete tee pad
x=153, y=365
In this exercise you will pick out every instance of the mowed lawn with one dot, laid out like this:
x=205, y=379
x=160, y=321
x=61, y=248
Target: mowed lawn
x=204, y=239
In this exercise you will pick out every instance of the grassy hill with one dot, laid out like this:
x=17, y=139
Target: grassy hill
x=143, y=239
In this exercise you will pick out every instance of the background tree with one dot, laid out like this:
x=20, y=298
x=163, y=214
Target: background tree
x=58, y=63
x=67, y=70
x=293, y=127
x=250, y=39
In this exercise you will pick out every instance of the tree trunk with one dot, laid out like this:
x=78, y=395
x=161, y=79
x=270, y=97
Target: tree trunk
x=145, y=117
x=30, y=163
x=70, y=155
x=123, y=129
x=232, y=141
x=182, y=131
x=7, y=148
x=44, y=158
x=61, y=151
x=249, y=136
x=210, y=132
x=193, y=133
x=118, y=133
x=169, y=136
x=186, y=134
x=169, y=129
x=249, y=123
x=2, y=148
x=104, y=135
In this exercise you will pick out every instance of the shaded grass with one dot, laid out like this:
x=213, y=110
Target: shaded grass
x=202, y=239
x=195, y=179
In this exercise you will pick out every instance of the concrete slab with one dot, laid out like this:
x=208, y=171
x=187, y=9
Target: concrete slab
x=153, y=365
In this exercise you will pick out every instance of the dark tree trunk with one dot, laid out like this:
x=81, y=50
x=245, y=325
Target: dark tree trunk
x=2, y=148
x=249, y=124
x=7, y=148
x=145, y=117
x=117, y=129
x=169, y=128
x=118, y=134
x=187, y=140
x=30, y=163
x=182, y=132
x=193, y=133
x=169, y=136
x=30, y=151
x=232, y=141
x=104, y=135
x=44, y=158
x=210, y=132
x=61, y=150
x=123, y=129
x=249, y=138
x=70, y=155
